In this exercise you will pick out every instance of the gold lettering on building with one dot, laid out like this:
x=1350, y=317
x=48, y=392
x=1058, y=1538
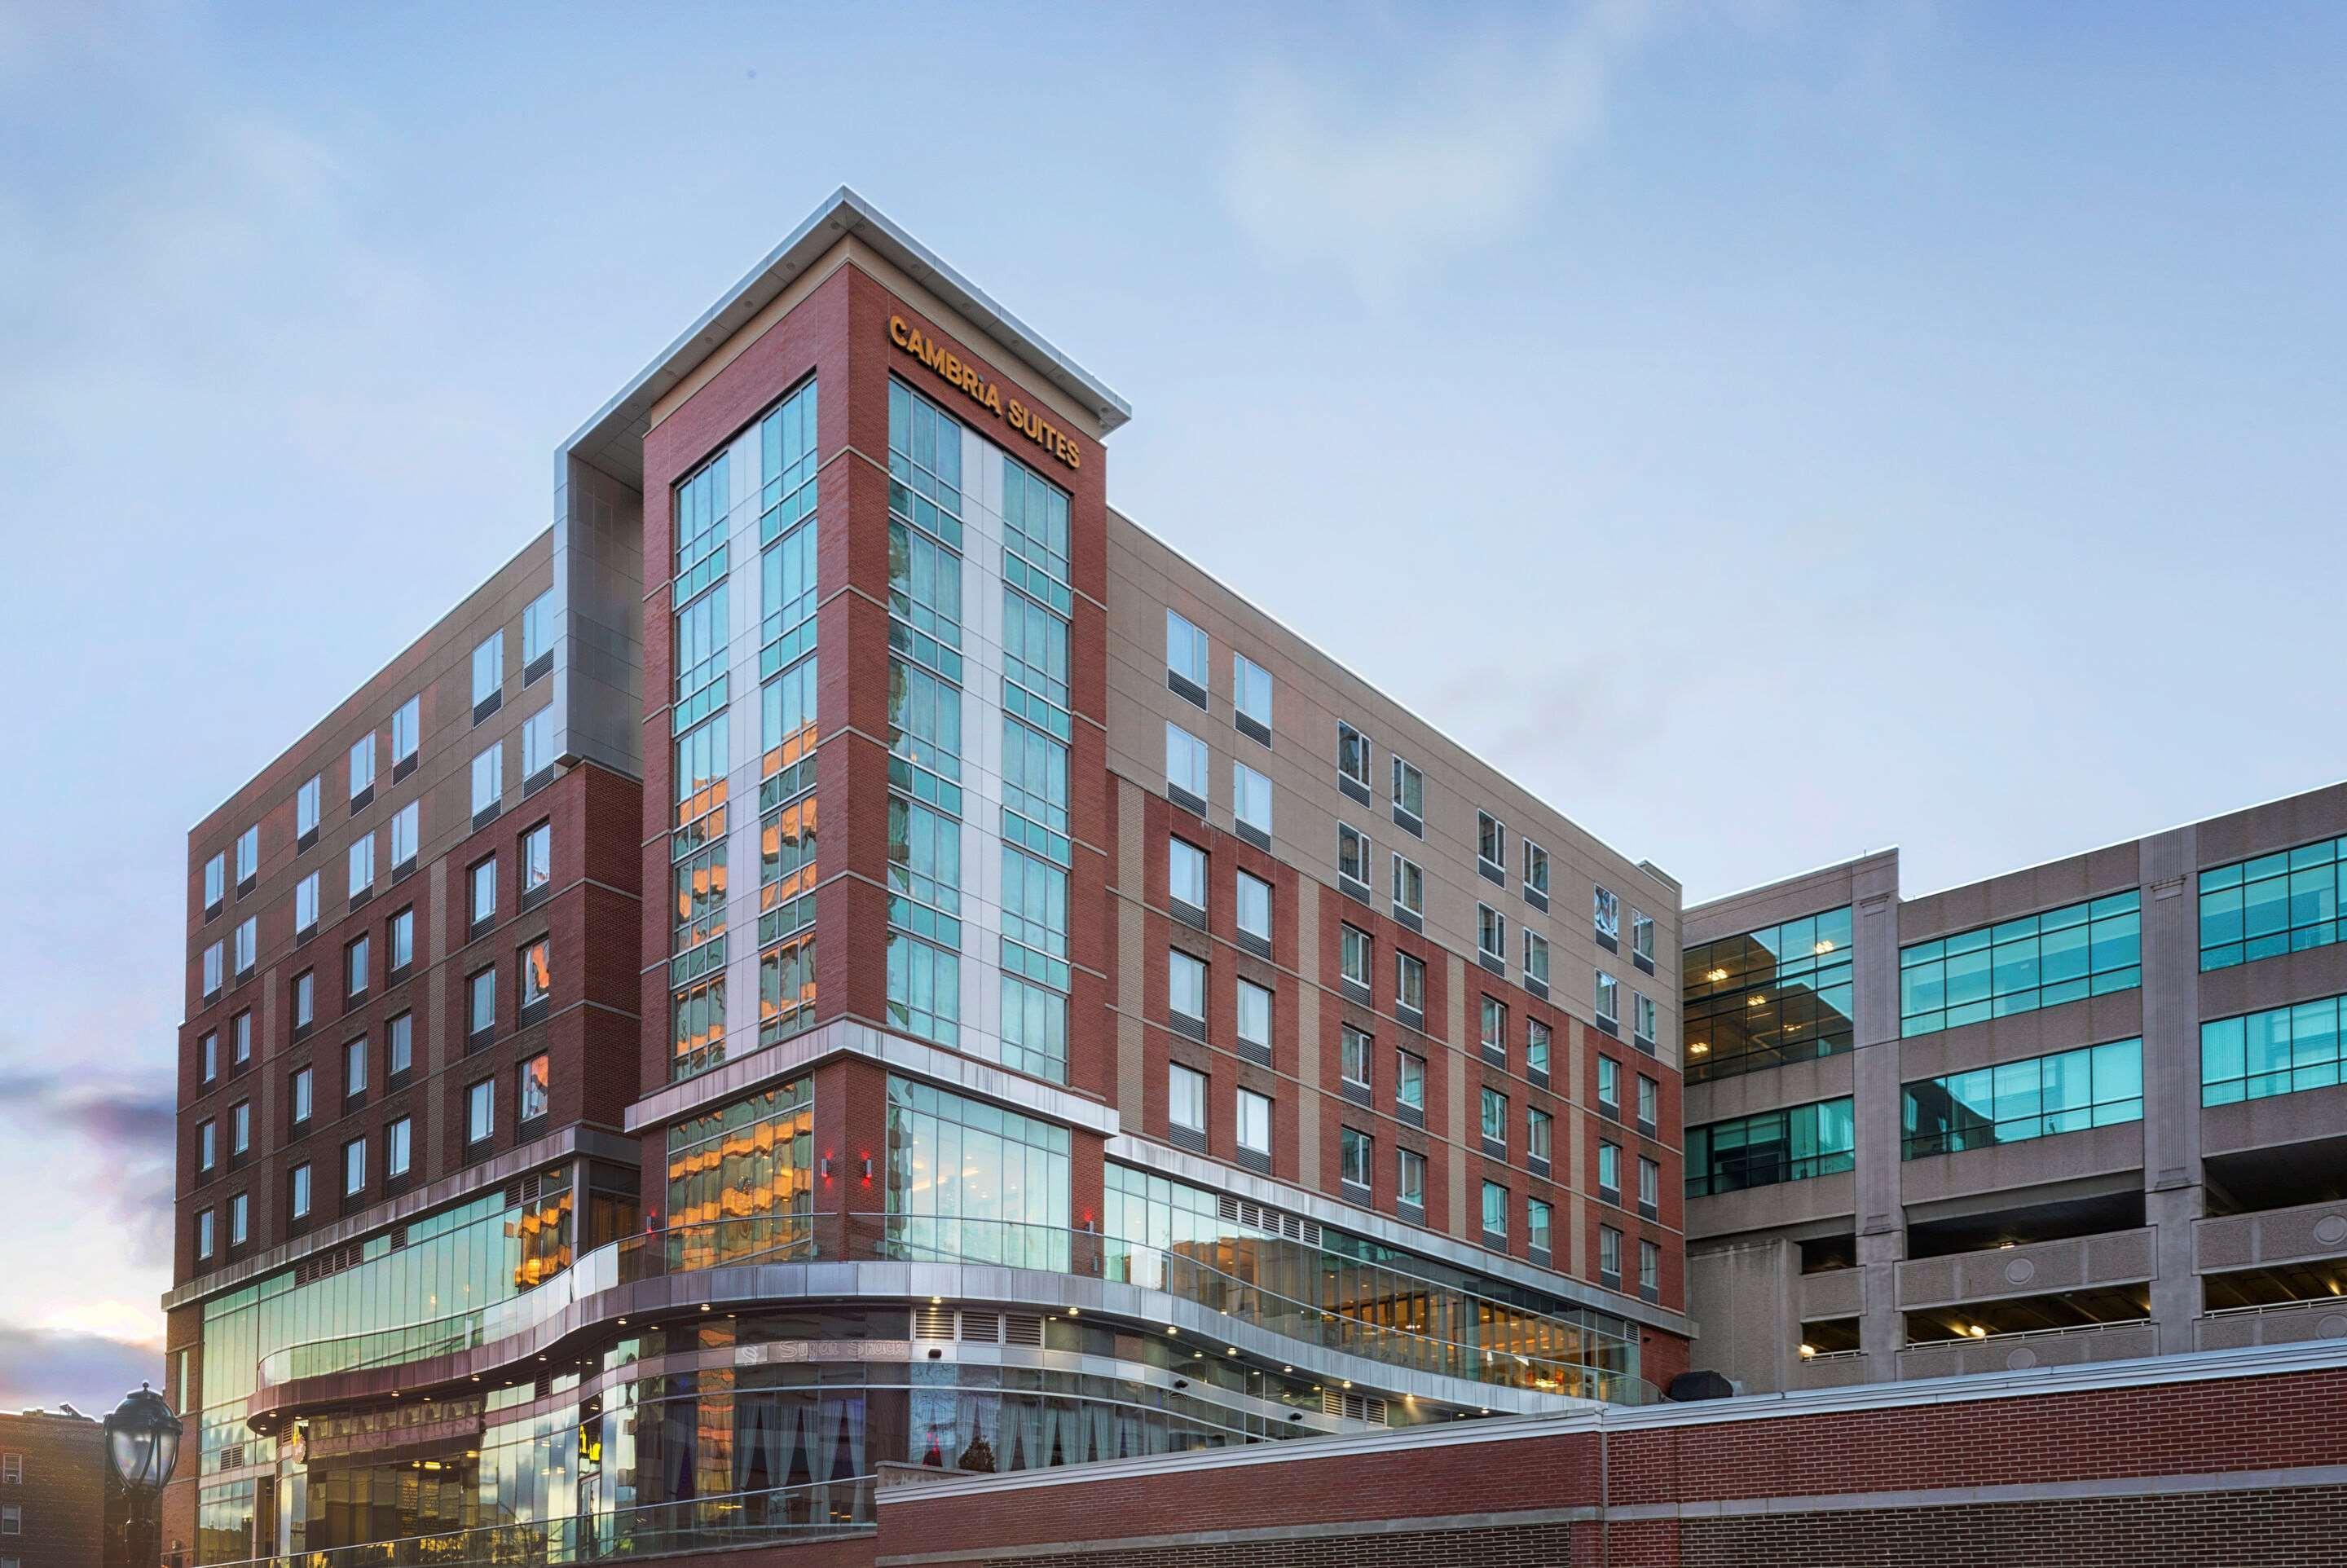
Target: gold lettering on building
x=949, y=365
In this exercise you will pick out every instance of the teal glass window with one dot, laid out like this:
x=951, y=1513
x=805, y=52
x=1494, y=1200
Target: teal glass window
x=786, y=599
x=703, y=504
x=2278, y=1052
x=1769, y=997
x=1034, y=791
x=970, y=1181
x=2012, y=1102
x=924, y=616
x=924, y=735
x=924, y=464
x=2279, y=903
x=1794, y=1145
x=2020, y=966
x=1034, y=663
x=786, y=465
x=1035, y=536
x=924, y=990
x=1034, y=1030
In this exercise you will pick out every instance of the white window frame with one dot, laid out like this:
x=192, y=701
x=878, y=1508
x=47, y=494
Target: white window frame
x=1408, y=884
x=1642, y=935
x=1605, y=999
x=309, y=806
x=1644, y=1017
x=1188, y=760
x=490, y=769
x=1490, y=933
x=1255, y=1112
x=399, y=1147
x=1348, y=834
x=1366, y=945
x=215, y=971
x=536, y=629
x=297, y=1200
x=1352, y=1045
x=305, y=905
x=248, y=855
x=1243, y=884
x=538, y=742
x=1605, y=912
x=363, y=765
x=354, y=1166
x=406, y=829
x=1409, y=1163
x=1249, y=789
x=1189, y=653
x=1242, y=669
x=1190, y=968
x=481, y=1097
x=1258, y=998
x=1536, y=955
x=1540, y=1133
x=406, y=729
x=1404, y=1061
x=1185, y=871
x=1402, y=770
x=1535, y=861
x=216, y=880
x=248, y=945
x=1501, y=1229
x=360, y=864
x=1404, y=965
x=493, y=668
x=1491, y=842
x=1367, y=753
x=1348, y=1140
x=1185, y=1091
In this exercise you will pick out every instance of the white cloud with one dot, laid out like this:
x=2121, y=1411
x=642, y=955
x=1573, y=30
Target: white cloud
x=1381, y=183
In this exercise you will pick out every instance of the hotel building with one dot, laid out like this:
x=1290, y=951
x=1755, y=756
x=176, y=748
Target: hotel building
x=849, y=952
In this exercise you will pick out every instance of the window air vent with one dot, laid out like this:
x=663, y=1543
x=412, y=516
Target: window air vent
x=933, y=1322
x=1353, y=1407
x=1259, y=1217
x=1021, y=1329
x=524, y=1190
x=232, y=1457
x=982, y=1327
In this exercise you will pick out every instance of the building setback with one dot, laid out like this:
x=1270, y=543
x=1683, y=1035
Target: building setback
x=849, y=951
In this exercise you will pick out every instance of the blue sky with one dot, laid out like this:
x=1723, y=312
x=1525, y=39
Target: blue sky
x=1772, y=431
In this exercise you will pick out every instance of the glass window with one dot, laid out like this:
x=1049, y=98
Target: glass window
x=1539, y=1129
x=2020, y=966
x=306, y=904
x=362, y=765
x=537, y=628
x=1609, y=1253
x=240, y=1215
x=303, y=1094
x=1540, y=1224
x=1254, y=1121
x=1495, y=1117
x=239, y=1127
x=2012, y=1102
x=1495, y=1038
x=1762, y=998
x=1185, y=1097
x=405, y=829
x=1642, y=1017
x=1186, y=985
x=396, y=1148
x=1536, y=1044
x=1409, y=982
x=356, y=955
x=1251, y=798
x=1641, y=936
x=1535, y=957
x=248, y=943
x=360, y=864
x=248, y=855
x=204, y=1233
x=354, y=1166
x=481, y=1001
x=1034, y=1030
x=240, y=1031
x=1495, y=1210
x=483, y=879
x=297, y=1197
x=1410, y=1178
x=215, y=879
x=1186, y=761
x=537, y=973
x=1034, y=663
x=536, y=859
x=2279, y=1051
x=1353, y=954
x=307, y=801
x=1650, y=1098
x=2281, y=902
x=970, y=1181
x=213, y=973
x=488, y=777
x=1185, y=649
x=399, y=1044
x=1355, y=1151
x=1353, y=754
x=1794, y=1145
x=1409, y=886
x=489, y=667
x=1609, y=999
x=1650, y=1183
x=924, y=989
x=1605, y=912
x=1255, y=907
x=1609, y=1082
x=1492, y=841
x=1609, y=1171
x=1255, y=1014
x=305, y=998
x=1353, y=1048
x=354, y=1067
x=1408, y=789
x=1535, y=869
x=406, y=724
x=1352, y=855
x=402, y=932
x=1251, y=688
x=1186, y=872
x=538, y=742
x=481, y=1110
x=530, y=1088
x=1410, y=1080
x=1650, y=1267
x=1490, y=933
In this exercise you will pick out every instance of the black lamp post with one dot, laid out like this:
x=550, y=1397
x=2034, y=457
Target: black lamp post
x=142, y=1444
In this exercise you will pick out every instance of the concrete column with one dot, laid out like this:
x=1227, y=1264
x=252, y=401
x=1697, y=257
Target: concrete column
x=1880, y=1218
x=2172, y=1196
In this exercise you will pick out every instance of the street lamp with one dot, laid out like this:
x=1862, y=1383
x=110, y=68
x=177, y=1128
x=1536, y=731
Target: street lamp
x=142, y=1444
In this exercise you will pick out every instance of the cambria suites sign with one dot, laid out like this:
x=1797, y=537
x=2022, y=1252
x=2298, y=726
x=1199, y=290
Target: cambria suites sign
x=1027, y=421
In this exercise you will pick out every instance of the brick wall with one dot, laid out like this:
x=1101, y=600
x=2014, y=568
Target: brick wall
x=60, y=1497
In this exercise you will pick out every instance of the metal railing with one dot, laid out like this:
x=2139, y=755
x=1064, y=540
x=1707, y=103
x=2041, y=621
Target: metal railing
x=696, y=1524
x=915, y=1239
x=2252, y=1308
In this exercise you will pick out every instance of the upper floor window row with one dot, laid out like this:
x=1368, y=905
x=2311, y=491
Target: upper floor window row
x=2278, y=903
x=1760, y=999
x=2278, y=1052
x=2020, y=966
x=1794, y=1145
x=2013, y=1101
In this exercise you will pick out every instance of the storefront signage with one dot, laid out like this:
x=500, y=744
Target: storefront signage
x=1027, y=421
